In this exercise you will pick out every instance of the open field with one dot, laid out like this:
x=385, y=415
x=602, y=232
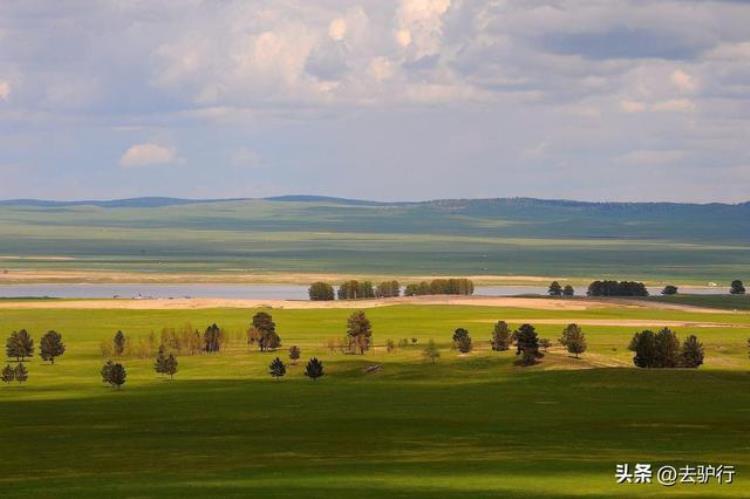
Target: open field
x=503, y=241
x=469, y=425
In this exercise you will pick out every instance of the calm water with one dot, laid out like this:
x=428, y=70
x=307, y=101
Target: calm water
x=251, y=291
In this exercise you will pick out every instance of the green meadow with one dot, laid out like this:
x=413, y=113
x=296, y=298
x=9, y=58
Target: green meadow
x=467, y=426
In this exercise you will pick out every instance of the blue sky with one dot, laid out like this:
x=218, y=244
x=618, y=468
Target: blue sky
x=378, y=99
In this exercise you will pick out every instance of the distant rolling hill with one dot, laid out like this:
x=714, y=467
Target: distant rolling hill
x=655, y=241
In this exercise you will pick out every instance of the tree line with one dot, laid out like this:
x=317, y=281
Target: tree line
x=355, y=290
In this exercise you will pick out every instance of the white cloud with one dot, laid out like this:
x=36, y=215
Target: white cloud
x=381, y=68
x=337, y=29
x=674, y=105
x=683, y=81
x=148, y=154
x=4, y=90
x=632, y=106
x=423, y=21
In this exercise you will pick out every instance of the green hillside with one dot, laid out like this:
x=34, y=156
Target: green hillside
x=652, y=241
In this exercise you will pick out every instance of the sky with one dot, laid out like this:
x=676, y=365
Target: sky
x=376, y=99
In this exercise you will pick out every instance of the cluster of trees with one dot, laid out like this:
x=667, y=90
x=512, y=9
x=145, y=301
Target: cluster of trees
x=20, y=345
x=18, y=373
x=441, y=287
x=663, y=349
x=166, y=364
x=737, y=287
x=555, y=289
x=263, y=332
x=321, y=291
x=354, y=290
x=617, y=288
x=388, y=289
x=669, y=290
x=313, y=369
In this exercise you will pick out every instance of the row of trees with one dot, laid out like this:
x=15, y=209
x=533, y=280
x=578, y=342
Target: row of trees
x=617, y=288
x=459, y=286
x=555, y=289
x=354, y=290
x=663, y=349
x=20, y=345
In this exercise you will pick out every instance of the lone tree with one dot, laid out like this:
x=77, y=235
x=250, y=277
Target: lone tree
x=114, y=374
x=51, y=346
x=669, y=290
x=277, y=369
x=212, y=338
x=359, y=332
x=555, y=289
x=691, y=355
x=431, y=352
x=573, y=339
x=462, y=340
x=8, y=374
x=161, y=361
x=737, y=288
x=314, y=369
x=568, y=290
x=501, y=337
x=321, y=291
x=119, y=343
x=294, y=353
x=266, y=327
x=170, y=366
x=19, y=345
x=21, y=373
x=527, y=345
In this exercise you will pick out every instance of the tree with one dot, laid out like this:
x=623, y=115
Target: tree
x=573, y=339
x=266, y=327
x=161, y=361
x=644, y=346
x=19, y=345
x=527, y=345
x=119, y=343
x=212, y=338
x=431, y=352
x=277, y=369
x=8, y=374
x=462, y=340
x=617, y=288
x=568, y=290
x=737, y=288
x=321, y=291
x=314, y=369
x=555, y=289
x=294, y=353
x=51, y=346
x=691, y=355
x=106, y=372
x=170, y=366
x=501, y=337
x=117, y=375
x=388, y=289
x=669, y=290
x=21, y=373
x=667, y=348
x=359, y=332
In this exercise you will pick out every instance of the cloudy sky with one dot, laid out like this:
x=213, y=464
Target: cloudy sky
x=379, y=99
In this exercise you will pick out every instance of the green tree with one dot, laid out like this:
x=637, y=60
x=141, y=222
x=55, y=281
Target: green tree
x=573, y=339
x=314, y=369
x=119, y=344
x=737, y=288
x=462, y=340
x=555, y=289
x=644, y=346
x=51, y=346
x=106, y=372
x=161, y=361
x=21, y=373
x=669, y=290
x=359, y=332
x=170, y=366
x=19, y=345
x=527, y=345
x=117, y=375
x=431, y=352
x=277, y=369
x=667, y=348
x=321, y=291
x=691, y=355
x=501, y=337
x=8, y=374
x=388, y=289
x=212, y=338
x=294, y=353
x=568, y=290
x=266, y=327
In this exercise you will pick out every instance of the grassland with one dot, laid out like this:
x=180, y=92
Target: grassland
x=657, y=243
x=467, y=426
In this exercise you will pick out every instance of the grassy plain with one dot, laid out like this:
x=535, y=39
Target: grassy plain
x=467, y=426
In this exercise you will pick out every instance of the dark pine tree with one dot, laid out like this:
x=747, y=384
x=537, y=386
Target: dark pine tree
x=314, y=369
x=117, y=375
x=8, y=374
x=691, y=355
x=212, y=338
x=51, y=346
x=161, y=361
x=21, y=373
x=119, y=343
x=527, y=345
x=501, y=337
x=462, y=340
x=170, y=366
x=277, y=369
x=294, y=353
